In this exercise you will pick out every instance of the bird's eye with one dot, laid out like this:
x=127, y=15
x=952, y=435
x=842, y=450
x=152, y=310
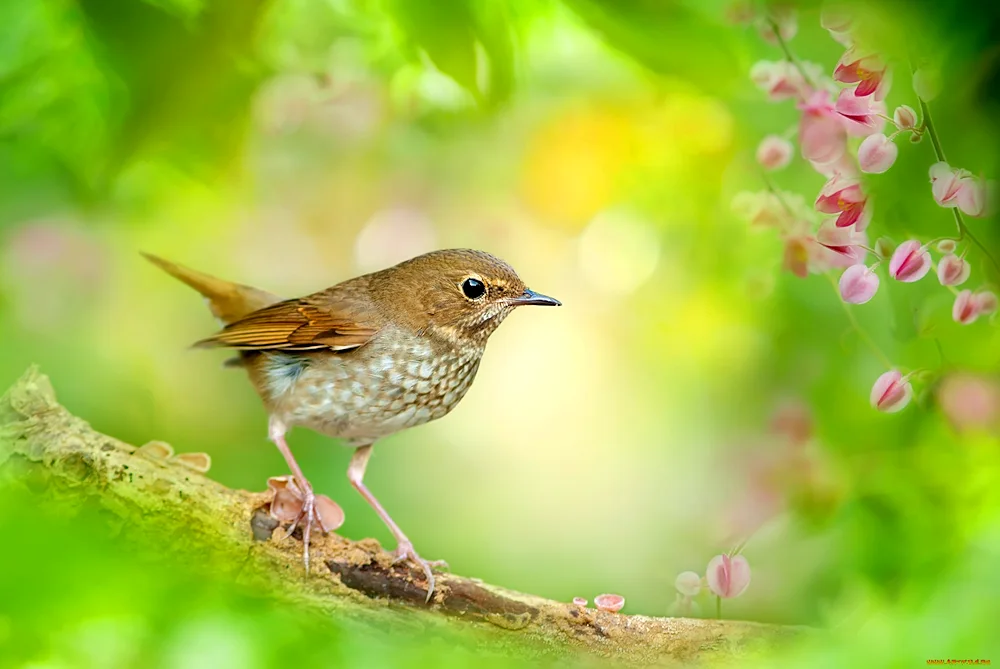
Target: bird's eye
x=473, y=288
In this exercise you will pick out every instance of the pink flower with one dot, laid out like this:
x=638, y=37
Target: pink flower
x=864, y=114
x=822, y=135
x=781, y=80
x=891, y=392
x=845, y=243
x=958, y=188
x=970, y=402
x=688, y=583
x=910, y=262
x=608, y=602
x=728, y=576
x=858, y=284
x=952, y=270
x=986, y=302
x=796, y=258
x=904, y=117
x=843, y=196
x=774, y=152
x=684, y=607
x=965, y=309
x=867, y=71
x=877, y=154
x=580, y=601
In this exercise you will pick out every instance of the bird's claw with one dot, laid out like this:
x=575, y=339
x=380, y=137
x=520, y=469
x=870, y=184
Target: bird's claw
x=405, y=552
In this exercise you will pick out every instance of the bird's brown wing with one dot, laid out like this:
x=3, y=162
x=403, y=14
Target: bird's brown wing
x=305, y=324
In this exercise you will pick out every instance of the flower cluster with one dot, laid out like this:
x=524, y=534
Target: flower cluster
x=726, y=576
x=842, y=135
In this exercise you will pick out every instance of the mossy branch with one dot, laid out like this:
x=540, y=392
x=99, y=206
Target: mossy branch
x=182, y=514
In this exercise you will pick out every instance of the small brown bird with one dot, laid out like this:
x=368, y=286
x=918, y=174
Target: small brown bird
x=368, y=357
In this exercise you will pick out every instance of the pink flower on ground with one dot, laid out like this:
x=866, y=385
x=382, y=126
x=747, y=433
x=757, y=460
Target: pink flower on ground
x=774, y=152
x=688, y=583
x=910, y=262
x=822, y=136
x=958, y=188
x=863, y=113
x=843, y=196
x=580, y=601
x=868, y=71
x=970, y=402
x=877, y=154
x=986, y=302
x=608, y=602
x=891, y=392
x=952, y=270
x=728, y=576
x=904, y=117
x=966, y=309
x=858, y=284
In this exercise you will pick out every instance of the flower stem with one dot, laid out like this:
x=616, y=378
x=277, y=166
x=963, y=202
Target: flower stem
x=718, y=607
x=963, y=230
x=857, y=326
x=789, y=56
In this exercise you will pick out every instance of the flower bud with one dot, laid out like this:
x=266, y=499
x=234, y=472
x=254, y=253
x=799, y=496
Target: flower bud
x=910, y=262
x=927, y=83
x=891, y=392
x=947, y=246
x=877, y=154
x=884, y=247
x=774, y=152
x=688, y=583
x=952, y=270
x=905, y=117
x=858, y=284
x=728, y=576
x=966, y=309
x=986, y=302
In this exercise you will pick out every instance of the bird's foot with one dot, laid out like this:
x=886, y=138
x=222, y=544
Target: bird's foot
x=405, y=553
x=295, y=502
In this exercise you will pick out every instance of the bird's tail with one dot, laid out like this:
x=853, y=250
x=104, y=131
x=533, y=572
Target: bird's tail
x=228, y=301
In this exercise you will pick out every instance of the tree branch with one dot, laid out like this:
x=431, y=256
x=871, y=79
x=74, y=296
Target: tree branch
x=182, y=513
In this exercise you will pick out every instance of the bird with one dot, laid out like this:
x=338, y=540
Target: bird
x=366, y=358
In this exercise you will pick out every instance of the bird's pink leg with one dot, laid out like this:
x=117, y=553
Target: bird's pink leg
x=404, y=548
x=276, y=431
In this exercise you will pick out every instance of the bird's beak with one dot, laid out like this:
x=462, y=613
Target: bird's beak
x=531, y=297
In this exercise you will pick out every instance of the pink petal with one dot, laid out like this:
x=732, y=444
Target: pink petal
x=822, y=138
x=858, y=284
x=944, y=184
x=910, y=262
x=877, y=154
x=331, y=516
x=965, y=309
x=952, y=270
x=728, y=577
x=774, y=152
x=891, y=392
x=580, y=601
x=986, y=302
x=609, y=602
x=971, y=197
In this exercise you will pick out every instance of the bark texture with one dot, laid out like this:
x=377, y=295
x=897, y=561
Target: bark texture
x=183, y=514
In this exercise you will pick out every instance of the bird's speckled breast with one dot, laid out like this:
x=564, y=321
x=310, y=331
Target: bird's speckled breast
x=392, y=383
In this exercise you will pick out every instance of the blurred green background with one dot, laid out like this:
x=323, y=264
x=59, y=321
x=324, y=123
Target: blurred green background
x=605, y=447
